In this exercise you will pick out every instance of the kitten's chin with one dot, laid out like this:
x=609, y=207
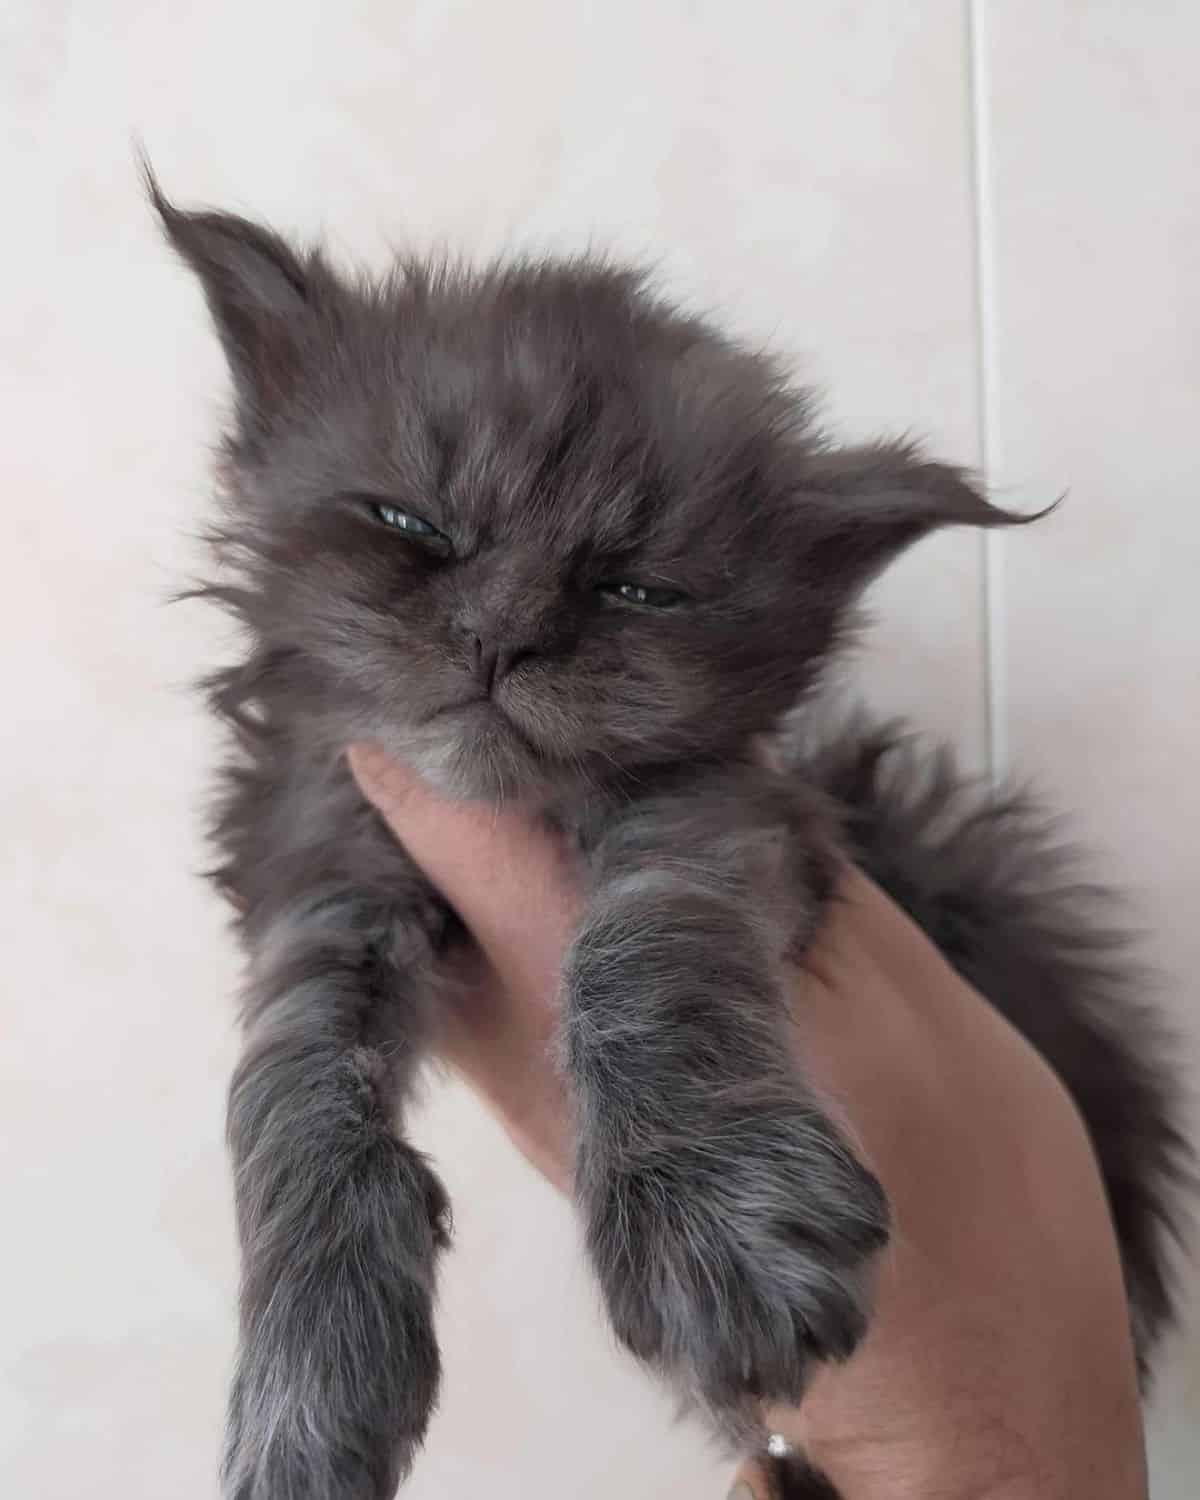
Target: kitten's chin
x=480, y=758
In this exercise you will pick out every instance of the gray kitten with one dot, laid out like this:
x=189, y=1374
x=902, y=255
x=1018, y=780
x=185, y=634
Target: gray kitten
x=547, y=538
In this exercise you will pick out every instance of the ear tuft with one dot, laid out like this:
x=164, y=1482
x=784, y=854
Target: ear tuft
x=870, y=503
x=261, y=295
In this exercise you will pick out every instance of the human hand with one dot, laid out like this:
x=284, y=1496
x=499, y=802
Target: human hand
x=998, y=1362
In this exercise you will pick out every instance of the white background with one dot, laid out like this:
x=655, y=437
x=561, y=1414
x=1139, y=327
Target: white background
x=982, y=227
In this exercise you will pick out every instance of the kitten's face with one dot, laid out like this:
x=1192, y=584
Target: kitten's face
x=530, y=526
x=522, y=550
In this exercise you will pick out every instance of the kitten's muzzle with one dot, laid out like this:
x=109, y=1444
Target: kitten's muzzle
x=492, y=659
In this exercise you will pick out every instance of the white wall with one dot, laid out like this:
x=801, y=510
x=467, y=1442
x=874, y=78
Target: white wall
x=812, y=172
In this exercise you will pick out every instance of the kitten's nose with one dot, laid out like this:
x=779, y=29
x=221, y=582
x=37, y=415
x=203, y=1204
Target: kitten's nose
x=492, y=660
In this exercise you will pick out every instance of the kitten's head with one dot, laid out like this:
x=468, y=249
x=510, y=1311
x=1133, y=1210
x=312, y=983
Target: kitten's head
x=530, y=523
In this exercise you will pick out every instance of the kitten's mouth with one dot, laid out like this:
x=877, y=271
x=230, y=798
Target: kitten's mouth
x=483, y=712
x=479, y=705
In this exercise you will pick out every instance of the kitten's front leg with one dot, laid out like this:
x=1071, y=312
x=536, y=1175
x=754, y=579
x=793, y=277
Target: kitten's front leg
x=339, y=1219
x=729, y=1221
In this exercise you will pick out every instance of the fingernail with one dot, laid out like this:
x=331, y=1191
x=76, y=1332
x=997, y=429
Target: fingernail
x=741, y=1491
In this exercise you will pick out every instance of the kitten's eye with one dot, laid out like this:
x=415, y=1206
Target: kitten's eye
x=414, y=526
x=647, y=597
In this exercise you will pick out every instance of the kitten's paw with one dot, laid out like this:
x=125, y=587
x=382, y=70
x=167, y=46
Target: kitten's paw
x=735, y=1261
x=297, y=1427
x=338, y=1367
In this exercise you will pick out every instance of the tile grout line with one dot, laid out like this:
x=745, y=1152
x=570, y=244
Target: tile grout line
x=991, y=556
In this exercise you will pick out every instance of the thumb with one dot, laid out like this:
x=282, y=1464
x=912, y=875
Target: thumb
x=509, y=879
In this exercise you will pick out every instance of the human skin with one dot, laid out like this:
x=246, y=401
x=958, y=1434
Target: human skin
x=998, y=1362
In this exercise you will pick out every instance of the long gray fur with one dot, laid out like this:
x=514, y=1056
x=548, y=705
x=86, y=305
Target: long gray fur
x=565, y=430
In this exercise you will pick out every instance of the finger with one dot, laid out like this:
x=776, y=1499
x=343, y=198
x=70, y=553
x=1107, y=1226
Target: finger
x=750, y=1483
x=508, y=878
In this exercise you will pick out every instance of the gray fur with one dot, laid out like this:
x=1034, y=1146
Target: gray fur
x=565, y=430
x=729, y=1222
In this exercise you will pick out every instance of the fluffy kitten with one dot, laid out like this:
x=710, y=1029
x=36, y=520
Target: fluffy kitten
x=548, y=538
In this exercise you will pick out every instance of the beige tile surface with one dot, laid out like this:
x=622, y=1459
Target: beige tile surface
x=807, y=171
x=1094, y=119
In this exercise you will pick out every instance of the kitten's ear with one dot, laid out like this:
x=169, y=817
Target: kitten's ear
x=867, y=505
x=262, y=296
